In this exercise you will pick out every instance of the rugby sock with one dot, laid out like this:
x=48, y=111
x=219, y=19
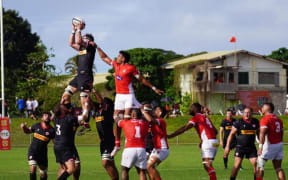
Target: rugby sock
x=158, y=179
x=64, y=176
x=225, y=162
x=232, y=178
x=258, y=178
x=212, y=173
x=44, y=178
x=32, y=176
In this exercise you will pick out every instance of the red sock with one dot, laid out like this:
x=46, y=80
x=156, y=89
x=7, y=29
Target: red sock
x=258, y=178
x=158, y=179
x=212, y=173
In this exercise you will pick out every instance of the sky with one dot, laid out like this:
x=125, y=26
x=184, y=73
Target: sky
x=183, y=26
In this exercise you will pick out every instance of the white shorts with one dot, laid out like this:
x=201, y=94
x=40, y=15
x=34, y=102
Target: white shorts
x=134, y=157
x=126, y=101
x=209, y=148
x=272, y=151
x=161, y=154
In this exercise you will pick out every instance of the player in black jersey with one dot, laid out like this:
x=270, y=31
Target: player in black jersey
x=84, y=80
x=103, y=115
x=65, y=123
x=37, y=153
x=225, y=128
x=246, y=129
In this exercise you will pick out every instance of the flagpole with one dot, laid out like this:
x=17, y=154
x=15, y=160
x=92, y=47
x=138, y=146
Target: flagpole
x=2, y=60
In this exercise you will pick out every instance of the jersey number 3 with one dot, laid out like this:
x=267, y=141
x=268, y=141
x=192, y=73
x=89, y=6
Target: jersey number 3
x=58, y=132
x=277, y=124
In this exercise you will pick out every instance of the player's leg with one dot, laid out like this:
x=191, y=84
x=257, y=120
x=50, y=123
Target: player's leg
x=207, y=163
x=253, y=161
x=209, y=149
x=235, y=169
x=61, y=169
x=33, y=168
x=278, y=168
x=85, y=103
x=77, y=171
x=70, y=168
x=128, y=103
x=124, y=173
x=260, y=168
x=152, y=171
x=141, y=173
x=110, y=168
x=225, y=159
x=69, y=91
x=43, y=172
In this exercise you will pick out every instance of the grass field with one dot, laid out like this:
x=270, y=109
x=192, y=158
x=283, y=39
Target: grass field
x=184, y=162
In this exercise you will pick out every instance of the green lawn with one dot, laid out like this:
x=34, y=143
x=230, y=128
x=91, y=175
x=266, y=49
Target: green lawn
x=184, y=162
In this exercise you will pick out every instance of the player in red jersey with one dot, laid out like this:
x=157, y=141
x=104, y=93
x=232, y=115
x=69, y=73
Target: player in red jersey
x=161, y=148
x=134, y=154
x=207, y=132
x=270, y=142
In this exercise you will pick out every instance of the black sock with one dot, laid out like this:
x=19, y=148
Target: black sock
x=232, y=178
x=225, y=162
x=64, y=176
x=32, y=176
x=44, y=178
x=254, y=177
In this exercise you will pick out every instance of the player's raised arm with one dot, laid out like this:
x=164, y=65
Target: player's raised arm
x=229, y=140
x=104, y=56
x=25, y=128
x=72, y=42
x=181, y=130
x=148, y=84
x=97, y=96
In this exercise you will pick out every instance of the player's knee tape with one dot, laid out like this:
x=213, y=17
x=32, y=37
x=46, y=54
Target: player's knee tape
x=43, y=171
x=85, y=112
x=84, y=94
x=260, y=163
x=32, y=163
x=77, y=161
x=69, y=91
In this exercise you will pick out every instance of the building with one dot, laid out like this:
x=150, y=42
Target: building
x=223, y=79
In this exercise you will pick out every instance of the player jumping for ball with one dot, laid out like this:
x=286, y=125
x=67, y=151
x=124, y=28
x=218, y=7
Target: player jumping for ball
x=83, y=82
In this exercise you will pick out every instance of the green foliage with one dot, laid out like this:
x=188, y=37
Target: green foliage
x=280, y=54
x=26, y=58
x=148, y=62
x=186, y=102
x=71, y=65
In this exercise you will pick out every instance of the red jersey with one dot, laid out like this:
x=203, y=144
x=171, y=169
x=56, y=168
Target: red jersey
x=275, y=128
x=135, y=131
x=203, y=126
x=123, y=77
x=160, y=134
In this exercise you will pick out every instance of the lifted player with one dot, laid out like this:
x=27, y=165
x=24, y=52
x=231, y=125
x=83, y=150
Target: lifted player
x=103, y=115
x=37, y=153
x=64, y=146
x=207, y=132
x=270, y=142
x=83, y=82
x=225, y=127
x=246, y=129
x=161, y=148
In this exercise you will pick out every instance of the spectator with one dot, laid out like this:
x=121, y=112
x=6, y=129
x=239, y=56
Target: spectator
x=29, y=107
x=35, y=106
x=21, y=106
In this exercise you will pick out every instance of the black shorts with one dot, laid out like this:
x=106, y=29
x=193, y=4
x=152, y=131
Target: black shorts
x=106, y=148
x=248, y=152
x=232, y=145
x=82, y=82
x=64, y=154
x=21, y=111
x=40, y=158
x=77, y=157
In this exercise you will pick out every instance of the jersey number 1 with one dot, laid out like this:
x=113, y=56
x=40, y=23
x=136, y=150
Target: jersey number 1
x=137, y=134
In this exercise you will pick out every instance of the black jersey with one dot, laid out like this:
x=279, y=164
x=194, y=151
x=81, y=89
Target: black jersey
x=41, y=137
x=227, y=126
x=86, y=60
x=149, y=141
x=65, y=128
x=104, y=123
x=246, y=132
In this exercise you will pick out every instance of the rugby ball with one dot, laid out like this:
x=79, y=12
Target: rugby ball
x=76, y=21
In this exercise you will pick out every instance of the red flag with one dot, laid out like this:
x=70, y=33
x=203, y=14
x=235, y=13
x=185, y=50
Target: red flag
x=233, y=39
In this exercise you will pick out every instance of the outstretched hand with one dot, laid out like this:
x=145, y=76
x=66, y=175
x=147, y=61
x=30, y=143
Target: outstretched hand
x=159, y=92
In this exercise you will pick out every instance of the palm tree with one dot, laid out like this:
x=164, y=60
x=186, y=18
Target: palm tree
x=71, y=65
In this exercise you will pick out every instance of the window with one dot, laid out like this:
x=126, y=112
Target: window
x=268, y=78
x=219, y=77
x=243, y=77
x=200, y=76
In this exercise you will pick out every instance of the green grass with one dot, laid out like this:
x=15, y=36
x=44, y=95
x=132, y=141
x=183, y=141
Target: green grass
x=184, y=162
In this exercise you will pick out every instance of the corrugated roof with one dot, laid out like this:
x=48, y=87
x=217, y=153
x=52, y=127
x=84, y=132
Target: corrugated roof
x=211, y=56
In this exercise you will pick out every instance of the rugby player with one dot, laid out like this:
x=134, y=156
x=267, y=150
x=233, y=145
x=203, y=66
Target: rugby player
x=246, y=129
x=225, y=128
x=65, y=151
x=83, y=82
x=207, y=132
x=159, y=137
x=134, y=154
x=270, y=142
x=37, y=154
x=103, y=115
